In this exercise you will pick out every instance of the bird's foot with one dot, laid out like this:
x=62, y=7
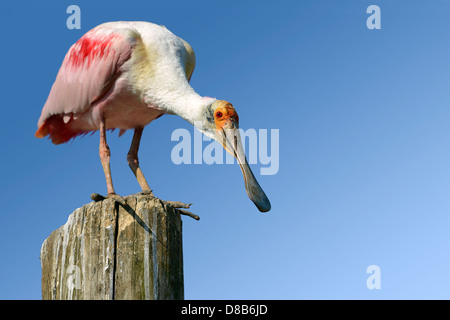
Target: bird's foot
x=98, y=197
x=177, y=205
x=146, y=192
x=117, y=198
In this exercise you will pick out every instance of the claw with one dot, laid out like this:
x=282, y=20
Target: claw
x=98, y=197
x=146, y=192
x=117, y=198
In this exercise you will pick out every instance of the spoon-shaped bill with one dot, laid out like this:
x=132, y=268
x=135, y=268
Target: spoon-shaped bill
x=254, y=190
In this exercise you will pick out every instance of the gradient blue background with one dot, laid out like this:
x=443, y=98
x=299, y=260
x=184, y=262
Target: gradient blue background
x=364, y=146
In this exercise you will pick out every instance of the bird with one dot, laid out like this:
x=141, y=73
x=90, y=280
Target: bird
x=125, y=74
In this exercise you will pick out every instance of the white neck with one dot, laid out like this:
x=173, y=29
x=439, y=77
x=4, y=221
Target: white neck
x=182, y=101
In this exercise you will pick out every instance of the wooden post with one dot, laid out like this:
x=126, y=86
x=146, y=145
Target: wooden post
x=108, y=251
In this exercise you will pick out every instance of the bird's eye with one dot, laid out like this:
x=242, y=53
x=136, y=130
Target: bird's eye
x=219, y=114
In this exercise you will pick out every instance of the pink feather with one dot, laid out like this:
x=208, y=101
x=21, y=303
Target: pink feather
x=89, y=69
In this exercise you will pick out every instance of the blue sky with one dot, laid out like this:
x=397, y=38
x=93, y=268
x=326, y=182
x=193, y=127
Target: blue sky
x=363, y=117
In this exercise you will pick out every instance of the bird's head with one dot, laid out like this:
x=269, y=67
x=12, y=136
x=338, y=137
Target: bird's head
x=221, y=122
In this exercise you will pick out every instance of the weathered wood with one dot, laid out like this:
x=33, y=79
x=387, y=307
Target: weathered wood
x=109, y=251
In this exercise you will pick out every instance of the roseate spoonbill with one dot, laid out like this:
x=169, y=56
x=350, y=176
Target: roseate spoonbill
x=126, y=74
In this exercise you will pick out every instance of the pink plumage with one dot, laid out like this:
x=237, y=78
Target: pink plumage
x=87, y=74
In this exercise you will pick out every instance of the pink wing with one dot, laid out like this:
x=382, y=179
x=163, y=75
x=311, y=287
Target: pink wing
x=89, y=69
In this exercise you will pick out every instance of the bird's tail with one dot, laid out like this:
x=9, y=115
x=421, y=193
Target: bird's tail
x=42, y=132
x=59, y=131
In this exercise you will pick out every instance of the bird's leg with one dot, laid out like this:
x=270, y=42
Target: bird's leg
x=133, y=161
x=105, y=155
